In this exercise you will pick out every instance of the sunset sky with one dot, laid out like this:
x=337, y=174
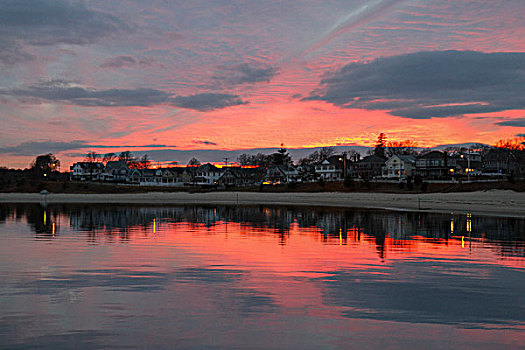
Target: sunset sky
x=108, y=76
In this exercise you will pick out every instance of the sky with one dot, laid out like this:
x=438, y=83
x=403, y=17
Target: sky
x=171, y=76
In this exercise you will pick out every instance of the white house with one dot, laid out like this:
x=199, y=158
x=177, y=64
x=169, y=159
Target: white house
x=399, y=166
x=282, y=174
x=207, y=175
x=330, y=169
x=116, y=171
x=86, y=171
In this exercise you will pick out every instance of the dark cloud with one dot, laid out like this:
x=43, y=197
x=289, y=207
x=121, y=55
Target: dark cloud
x=520, y=135
x=32, y=148
x=69, y=92
x=12, y=53
x=41, y=147
x=118, y=62
x=244, y=73
x=519, y=122
x=146, y=61
x=124, y=61
x=200, y=142
x=429, y=84
x=207, y=101
x=42, y=22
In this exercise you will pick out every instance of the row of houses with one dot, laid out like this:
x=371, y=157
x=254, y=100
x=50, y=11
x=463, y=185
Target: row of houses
x=204, y=175
x=439, y=165
x=431, y=165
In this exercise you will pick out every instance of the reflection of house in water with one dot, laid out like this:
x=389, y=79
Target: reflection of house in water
x=117, y=217
x=338, y=226
x=386, y=230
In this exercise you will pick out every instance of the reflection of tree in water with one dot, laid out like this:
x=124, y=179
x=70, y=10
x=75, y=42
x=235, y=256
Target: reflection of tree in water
x=382, y=228
x=43, y=221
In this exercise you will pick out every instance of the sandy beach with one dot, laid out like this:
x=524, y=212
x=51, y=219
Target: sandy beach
x=496, y=202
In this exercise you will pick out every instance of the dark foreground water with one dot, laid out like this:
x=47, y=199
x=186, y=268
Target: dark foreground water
x=258, y=278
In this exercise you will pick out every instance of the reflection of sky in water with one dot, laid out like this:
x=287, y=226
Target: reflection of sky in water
x=258, y=277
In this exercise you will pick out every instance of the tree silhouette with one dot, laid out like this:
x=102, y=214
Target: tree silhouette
x=259, y=159
x=45, y=164
x=281, y=157
x=92, y=157
x=400, y=148
x=317, y=156
x=144, y=162
x=379, y=149
x=515, y=144
x=126, y=156
x=194, y=162
x=108, y=157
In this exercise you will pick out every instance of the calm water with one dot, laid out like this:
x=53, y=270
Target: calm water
x=221, y=277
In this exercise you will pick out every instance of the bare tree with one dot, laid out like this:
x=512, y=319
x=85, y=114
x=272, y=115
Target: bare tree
x=259, y=159
x=515, y=144
x=92, y=157
x=126, y=156
x=400, y=148
x=144, y=162
x=318, y=156
x=353, y=156
x=109, y=157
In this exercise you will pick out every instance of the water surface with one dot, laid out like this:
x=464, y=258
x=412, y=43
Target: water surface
x=206, y=277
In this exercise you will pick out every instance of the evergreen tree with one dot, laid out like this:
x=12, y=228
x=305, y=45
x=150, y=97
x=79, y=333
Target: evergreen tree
x=379, y=149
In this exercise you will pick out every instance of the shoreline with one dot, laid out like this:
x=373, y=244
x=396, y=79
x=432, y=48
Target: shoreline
x=492, y=203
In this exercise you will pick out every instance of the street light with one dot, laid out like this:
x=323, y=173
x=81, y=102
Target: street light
x=468, y=165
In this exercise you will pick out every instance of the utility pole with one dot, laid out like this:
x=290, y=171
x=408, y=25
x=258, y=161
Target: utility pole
x=226, y=161
x=344, y=166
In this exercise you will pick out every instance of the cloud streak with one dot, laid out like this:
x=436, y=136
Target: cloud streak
x=40, y=147
x=366, y=13
x=63, y=91
x=518, y=122
x=427, y=85
x=201, y=142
